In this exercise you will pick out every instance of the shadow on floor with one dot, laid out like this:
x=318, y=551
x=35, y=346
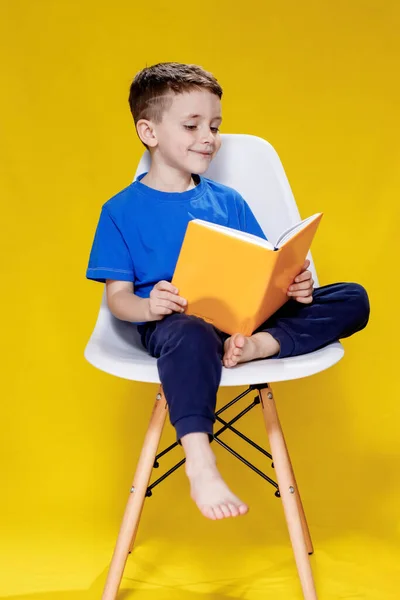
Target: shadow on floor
x=166, y=592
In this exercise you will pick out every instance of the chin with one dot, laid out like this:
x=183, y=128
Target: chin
x=200, y=169
x=200, y=164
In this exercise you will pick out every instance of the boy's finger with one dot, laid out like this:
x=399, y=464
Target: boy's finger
x=164, y=305
x=171, y=305
x=180, y=301
x=304, y=285
x=170, y=298
x=166, y=286
x=303, y=276
x=165, y=311
x=167, y=293
x=299, y=294
x=173, y=298
x=306, y=300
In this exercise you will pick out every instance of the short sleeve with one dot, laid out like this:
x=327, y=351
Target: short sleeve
x=109, y=256
x=247, y=220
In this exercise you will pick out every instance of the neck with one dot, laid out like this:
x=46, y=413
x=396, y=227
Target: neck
x=167, y=180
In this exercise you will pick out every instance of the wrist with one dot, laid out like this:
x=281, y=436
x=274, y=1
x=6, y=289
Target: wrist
x=147, y=312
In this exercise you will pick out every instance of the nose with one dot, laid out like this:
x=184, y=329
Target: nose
x=207, y=136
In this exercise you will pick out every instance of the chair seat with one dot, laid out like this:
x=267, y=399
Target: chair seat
x=121, y=353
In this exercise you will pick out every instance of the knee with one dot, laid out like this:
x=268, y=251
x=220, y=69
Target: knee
x=197, y=331
x=358, y=296
x=193, y=334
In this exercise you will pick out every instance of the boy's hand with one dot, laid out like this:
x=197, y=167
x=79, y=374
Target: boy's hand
x=302, y=286
x=164, y=300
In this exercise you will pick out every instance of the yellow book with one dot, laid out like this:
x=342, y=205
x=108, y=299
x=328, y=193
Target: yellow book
x=236, y=280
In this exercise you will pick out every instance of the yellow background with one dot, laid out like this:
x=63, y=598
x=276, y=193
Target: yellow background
x=319, y=80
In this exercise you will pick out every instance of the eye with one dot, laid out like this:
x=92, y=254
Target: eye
x=192, y=127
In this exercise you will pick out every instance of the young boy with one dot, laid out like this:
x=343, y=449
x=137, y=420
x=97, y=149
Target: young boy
x=177, y=112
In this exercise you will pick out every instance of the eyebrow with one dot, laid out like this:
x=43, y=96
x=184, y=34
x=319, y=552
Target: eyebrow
x=196, y=116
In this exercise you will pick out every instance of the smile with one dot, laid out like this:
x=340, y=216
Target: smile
x=203, y=153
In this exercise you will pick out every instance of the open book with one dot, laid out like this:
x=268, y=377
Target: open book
x=236, y=280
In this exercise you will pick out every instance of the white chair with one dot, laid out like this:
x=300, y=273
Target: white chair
x=250, y=165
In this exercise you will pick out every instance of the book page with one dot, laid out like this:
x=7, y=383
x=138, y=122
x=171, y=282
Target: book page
x=242, y=235
x=289, y=233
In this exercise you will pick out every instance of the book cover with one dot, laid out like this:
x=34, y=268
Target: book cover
x=234, y=280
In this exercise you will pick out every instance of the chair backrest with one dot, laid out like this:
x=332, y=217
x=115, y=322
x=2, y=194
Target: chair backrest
x=250, y=165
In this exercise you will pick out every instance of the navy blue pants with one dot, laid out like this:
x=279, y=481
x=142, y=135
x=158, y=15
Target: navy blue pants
x=190, y=350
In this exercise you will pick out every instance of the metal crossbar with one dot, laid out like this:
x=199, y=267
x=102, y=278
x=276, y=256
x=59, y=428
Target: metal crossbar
x=226, y=425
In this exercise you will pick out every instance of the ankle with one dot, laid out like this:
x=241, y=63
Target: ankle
x=198, y=452
x=200, y=458
x=266, y=345
x=202, y=469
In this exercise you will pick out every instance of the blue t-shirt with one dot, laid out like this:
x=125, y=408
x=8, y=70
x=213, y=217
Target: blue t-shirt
x=141, y=230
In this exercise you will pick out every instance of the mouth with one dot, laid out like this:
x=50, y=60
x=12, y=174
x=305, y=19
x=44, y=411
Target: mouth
x=203, y=153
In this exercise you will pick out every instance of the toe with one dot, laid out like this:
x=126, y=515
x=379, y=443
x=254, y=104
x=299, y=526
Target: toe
x=232, y=362
x=226, y=510
x=218, y=512
x=243, y=509
x=239, y=340
x=234, y=509
x=208, y=512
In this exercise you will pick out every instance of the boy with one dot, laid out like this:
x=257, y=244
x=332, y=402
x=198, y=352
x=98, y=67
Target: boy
x=177, y=112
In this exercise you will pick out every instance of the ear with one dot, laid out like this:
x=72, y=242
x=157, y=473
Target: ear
x=146, y=133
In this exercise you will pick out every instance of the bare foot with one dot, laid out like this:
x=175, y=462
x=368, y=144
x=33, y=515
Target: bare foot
x=211, y=494
x=207, y=488
x=239, y=348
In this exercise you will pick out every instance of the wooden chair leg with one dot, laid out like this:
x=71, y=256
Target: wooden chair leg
x=135, y=503
x=291, y=501
x=306, y=531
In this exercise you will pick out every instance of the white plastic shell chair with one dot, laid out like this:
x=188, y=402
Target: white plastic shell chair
x=251, y=166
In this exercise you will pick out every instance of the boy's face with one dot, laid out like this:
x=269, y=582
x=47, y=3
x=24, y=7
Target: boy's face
x=188, y=137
